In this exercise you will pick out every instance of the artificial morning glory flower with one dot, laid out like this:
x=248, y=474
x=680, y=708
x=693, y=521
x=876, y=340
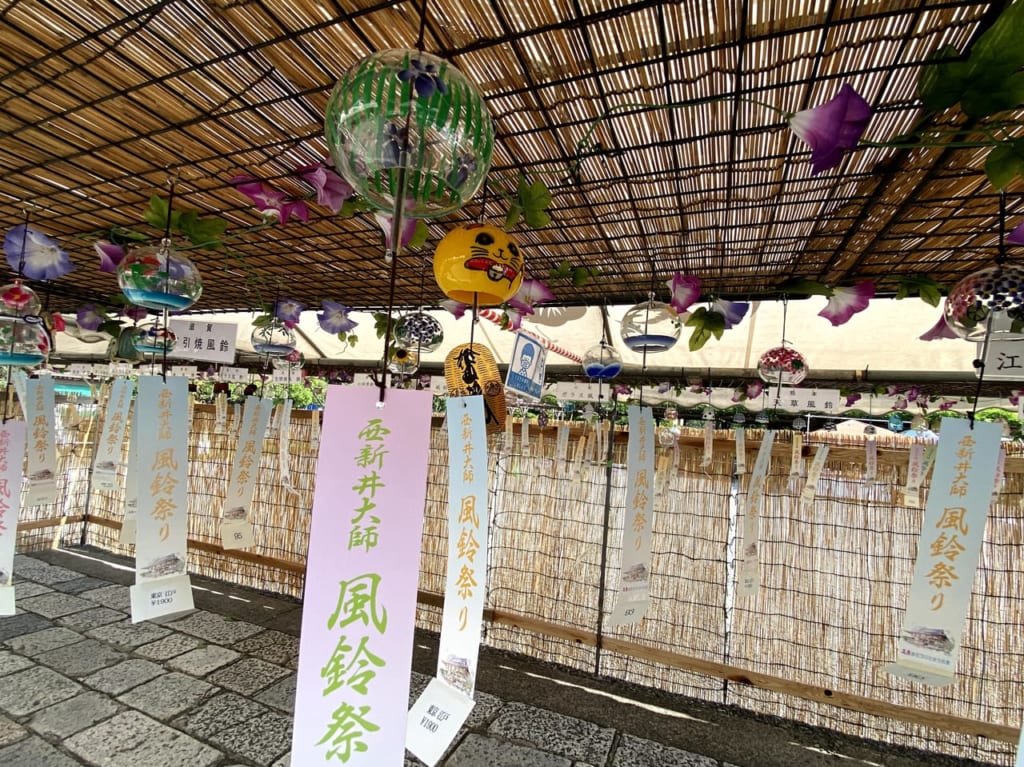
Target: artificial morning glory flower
x=424, y=78
x=846, y=302
x=90, y=317
x=685, y=290
x=408, y=228
x=513, y=318
x=832, y=128
x=271, y=203
x=334, y=318
x=530, y=293
x=110, y=255
x=1016, y=236
x=733, y=311
x=288, y=311
x=457, y=308
x=331, y=189
x=135, y=312
x=39, y=257
x=852, y=398
x=940, y=329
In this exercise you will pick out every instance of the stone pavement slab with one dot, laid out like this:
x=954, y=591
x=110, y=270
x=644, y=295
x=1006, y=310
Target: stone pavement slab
x=219, y=713
x=637, y=752
x=10, y=731
x=34, y=688
x=168, y=647
x=81, y=658
x=280, y=695
x=39, y=642
x=113, y=596
x=203, y=660
x=273, y=647
x=565, y=735
x=91, y=618
x=64, y=719
x=215, y=628
x=22, y=623
x=124, y=676
x=262, y=739
x=132, y=739
x=23, y=588
x=48, y=574
x=248, y=676
x=55, y=604
x=10, y=662
x=34, y=752
x=127, y=635
x=167, y=695
x=80, y=584
x=481, y=751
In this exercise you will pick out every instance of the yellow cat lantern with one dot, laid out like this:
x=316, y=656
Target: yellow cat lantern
x=478, y=260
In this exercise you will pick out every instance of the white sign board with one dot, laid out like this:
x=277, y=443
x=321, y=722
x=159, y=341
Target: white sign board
x=201, y=340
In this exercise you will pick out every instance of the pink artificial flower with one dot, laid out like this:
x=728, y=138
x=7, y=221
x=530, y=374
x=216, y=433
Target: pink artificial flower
x=621, y=389
x=832, y=128
x=900, y=403
x=1016, y=236
x=293, y=356
x=110, y=255
x=58, y=322
x=685, y=290
x=893, y=389
x=940, y=329
x=270, y=202
x=135, y=312
x=1015, y=397
x=846, y=302
x=513, y=318
x=852, y=398
x=733, y=311
x=947, y=404
x=331, y=189
x=288, y=311
x=457, y=308
x=530, y=293
x=754, y=389
x=17, y=297
x=408, y=228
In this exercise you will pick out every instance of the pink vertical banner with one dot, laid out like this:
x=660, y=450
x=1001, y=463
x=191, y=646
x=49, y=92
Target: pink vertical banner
x=362, y=571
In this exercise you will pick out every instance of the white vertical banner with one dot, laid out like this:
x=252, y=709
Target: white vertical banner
x=131, y=485
x=810, y=489
x=359, y=609
x=236, y=531
x=635, y=566
x=162, y=585
x=12, y=448
x=40, y=414
x=435, y=718
x=749, y=570
x=108, y=459
x=947, y=552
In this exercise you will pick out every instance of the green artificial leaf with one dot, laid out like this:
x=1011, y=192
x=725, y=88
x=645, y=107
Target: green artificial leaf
x=580, y=276
x=354, y=204
x=205, y=232
x=186, y=220
x=705, y=324
x=156, y=213
x=942, y=80
x=262, y=321
x=920, y=285
x=563, y=271
x=110, y=327
x=419, y=235
x=998, y=52
x=119, y=235
x=1004, y=162
x=515, y=211
x=380, y=323
x=806, y=288
x=533, y=201
x=352, y=339
x=536, y=219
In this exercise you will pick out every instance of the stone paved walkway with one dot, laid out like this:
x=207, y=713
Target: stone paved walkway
x=81, y=685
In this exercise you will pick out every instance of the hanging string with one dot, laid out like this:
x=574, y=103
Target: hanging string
x=165, y=247
x=785, y=312
x=979, y=364
x=387, y=331
x=21, y=269
x=423, y=26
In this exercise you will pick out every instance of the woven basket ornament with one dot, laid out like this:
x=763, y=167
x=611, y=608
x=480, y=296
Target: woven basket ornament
x=470, y=369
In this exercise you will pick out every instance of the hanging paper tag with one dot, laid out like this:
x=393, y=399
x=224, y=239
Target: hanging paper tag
x=577, y=459
x=108, y=460
x=635, y=564
x=810, y=489
x=42, y=441
x=435, y=720
x=796, y=459
x=128, y=532
x=233, y=375
x=235, y=423
x=12, y=448
x=709, y=444
x=510, y=434
x=997, y=489
x=236, y=531
x=524, y=435
x=220, y=403
x=540, y=443
x=185, y=371
x=915, y=476
x=870, y=460
x=561, y=448
x=284, y=428
x=947, y=552
x=749, y=569
x=20, y=378
x=162, y=585
x=741, y=451
x=359, y=608
x=314, y=429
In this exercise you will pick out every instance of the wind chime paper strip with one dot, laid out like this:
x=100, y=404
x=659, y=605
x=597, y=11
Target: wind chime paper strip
x=749, y=569
x=12, y=448
x=129, y=529
x=709, y=444
x=430, y=727
x=741, y=451
x=220, y=423
x=870, y=460
x=796, y=453
x=915, y=476
x=284, y=435
x=236, y=531
x=810, y=489
x=997, y=488
x=20, y=378
x=561, y=449
x=40, y=413
x=510, y=434
x=108, y=460
x=635, y=566
x=314, y=429
x=162, y=585
x=524, y=435
x=355, y=654
x=947, y=552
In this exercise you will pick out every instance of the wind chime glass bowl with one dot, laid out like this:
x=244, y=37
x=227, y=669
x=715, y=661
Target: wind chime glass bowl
x=996, y=292
x=602, y=362
x=159, y=277
x=23, y=339
x=419, y=331
x=405, y=99
x=275, y=339
x=153, y=338
x=651, y=326
x=782, y=365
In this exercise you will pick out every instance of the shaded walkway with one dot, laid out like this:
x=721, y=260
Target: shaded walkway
x=81, y=685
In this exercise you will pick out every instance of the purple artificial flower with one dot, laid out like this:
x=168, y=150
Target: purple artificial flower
x=530, y=293
x=700, y=389
x=685, y=290
x=947, y=404
x=621, y=389
x=1016, y=236
x=852, y=398
x=425, y=79
x=110, y=255
x=754, y=389
x=271, y=203
x=733, y=311
x=1015, y=397
x=893, y=389
x=331, y=189
x=37, y=256
x=664, y=387
x=408, y=228
x=90, y=317
x=135, y=312
x=334, y=318
x=457, y=308
x=288, y=311
x=513, y=317
x=940, y=329
x=900, y=403
x=832, y=128
x=846, y=302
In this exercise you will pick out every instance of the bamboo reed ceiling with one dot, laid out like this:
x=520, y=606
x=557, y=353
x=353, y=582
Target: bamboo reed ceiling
x=101, y=101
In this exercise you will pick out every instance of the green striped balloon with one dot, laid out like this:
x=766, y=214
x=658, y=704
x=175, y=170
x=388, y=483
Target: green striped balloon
x=404, y=124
